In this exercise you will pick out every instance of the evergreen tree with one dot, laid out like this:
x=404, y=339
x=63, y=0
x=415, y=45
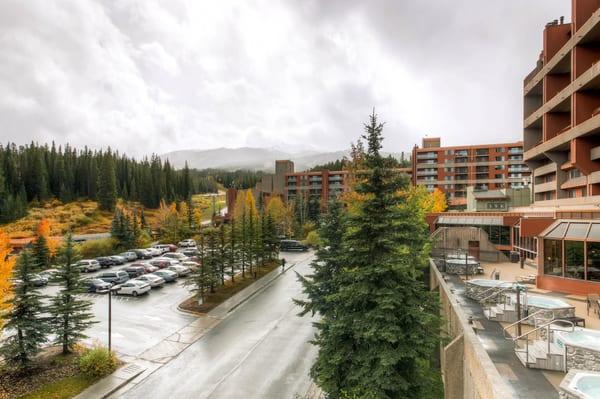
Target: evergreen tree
x=40, y=253
x=71, y=316
x=329, y=261
x=25, y=319
x=233, y=249
x=381, y=323
x=107, y=185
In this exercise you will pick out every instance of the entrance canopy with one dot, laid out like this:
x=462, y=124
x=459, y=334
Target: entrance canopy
x=471, y=220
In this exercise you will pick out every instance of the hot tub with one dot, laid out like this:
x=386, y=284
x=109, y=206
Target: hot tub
x=477, y=287
x=582, y=348
x=555, y=307
x=580, y=384
x=460, y=266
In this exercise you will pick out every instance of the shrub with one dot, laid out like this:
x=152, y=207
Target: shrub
x=95, y=248
x=97, y=362
x=83, y=220
x=313, y=239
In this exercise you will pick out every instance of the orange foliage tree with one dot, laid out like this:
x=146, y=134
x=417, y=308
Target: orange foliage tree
x=6, y=269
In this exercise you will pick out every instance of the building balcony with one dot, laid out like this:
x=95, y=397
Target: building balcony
x=544, y=170
x=595, y=153
x=513, y=169
x=580, y=181
x=427, y=156
x=427, y=172
x=515, y=150
x=544, y=187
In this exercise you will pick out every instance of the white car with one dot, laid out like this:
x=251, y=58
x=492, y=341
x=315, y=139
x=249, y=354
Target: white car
x=186, y=243
x=178, y=256
x=88, y=265
x=163, y=248
x=133, y=287
x=152, y=279
x=181, y=271
x=190, y=264
x=154, y=251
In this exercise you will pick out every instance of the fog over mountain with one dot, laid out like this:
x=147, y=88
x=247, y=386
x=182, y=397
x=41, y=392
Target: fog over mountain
x=251, y=158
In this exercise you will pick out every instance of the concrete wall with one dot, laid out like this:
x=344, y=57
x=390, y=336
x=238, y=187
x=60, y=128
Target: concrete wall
x=467, y=370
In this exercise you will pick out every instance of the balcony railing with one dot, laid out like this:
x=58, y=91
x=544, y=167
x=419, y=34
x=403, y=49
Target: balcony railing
x=432, y=155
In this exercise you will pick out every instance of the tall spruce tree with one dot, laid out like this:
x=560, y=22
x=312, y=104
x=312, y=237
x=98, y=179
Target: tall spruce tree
x=71, y=315
x=381, y=324
x=40, y=253
x=107, y=184
x=26, y=320
x=329, y=261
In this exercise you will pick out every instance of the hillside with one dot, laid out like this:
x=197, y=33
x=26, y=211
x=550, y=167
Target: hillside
x=84, y=217
x=251, y=158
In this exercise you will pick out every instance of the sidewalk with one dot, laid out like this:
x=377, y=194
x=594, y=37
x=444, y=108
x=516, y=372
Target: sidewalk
x=169, y=348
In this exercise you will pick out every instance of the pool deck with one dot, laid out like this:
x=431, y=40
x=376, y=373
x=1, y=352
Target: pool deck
x=525, y=382
x=511, y=272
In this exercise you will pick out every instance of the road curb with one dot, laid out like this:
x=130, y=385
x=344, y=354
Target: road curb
x=112, y=382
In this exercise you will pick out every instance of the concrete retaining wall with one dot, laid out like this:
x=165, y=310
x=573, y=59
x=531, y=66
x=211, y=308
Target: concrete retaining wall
x=467, y=370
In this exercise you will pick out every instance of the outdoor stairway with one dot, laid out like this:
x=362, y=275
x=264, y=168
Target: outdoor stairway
x=498, y=313
x=539, y=358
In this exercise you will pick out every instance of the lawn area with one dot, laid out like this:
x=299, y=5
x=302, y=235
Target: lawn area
x=62, y=389
x=205, y=204
x=226, y=291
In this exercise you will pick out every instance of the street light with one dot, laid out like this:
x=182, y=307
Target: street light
x=109, y=319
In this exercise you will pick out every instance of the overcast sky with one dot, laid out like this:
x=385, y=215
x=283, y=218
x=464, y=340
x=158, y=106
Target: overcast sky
x=149, y=76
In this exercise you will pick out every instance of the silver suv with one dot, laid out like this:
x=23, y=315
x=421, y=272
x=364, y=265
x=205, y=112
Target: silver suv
x=88, y=265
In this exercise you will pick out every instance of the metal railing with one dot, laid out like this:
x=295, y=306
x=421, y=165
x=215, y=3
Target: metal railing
x=549, y=329
x=505, y=329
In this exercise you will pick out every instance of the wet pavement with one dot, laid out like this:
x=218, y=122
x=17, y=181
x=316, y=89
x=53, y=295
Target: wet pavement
x=259, y=350
x=526, y=382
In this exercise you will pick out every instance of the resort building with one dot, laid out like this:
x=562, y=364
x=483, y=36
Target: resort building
x=562, y=148
x=454, y=169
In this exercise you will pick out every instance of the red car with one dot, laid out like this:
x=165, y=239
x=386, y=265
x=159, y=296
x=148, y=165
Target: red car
x=161, y=264
x=147, y=266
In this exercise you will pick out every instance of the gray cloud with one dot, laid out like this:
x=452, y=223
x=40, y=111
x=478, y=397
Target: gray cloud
x=154, y=76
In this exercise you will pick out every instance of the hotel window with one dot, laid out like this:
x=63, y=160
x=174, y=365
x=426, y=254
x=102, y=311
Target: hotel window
x=574, y=259
x=553, y=257
x=574, y=173
x=593, y=261
x=500, y=159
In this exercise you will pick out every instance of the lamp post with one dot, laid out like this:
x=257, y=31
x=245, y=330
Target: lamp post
x=466, y=264
x=109, y=319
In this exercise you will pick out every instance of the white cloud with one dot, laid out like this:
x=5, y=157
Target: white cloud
x=153, y=76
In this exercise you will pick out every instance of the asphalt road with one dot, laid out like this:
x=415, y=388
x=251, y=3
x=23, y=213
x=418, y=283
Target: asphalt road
x=260, y=350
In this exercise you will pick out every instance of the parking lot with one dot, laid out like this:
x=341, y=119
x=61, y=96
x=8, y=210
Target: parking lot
x=137, y=323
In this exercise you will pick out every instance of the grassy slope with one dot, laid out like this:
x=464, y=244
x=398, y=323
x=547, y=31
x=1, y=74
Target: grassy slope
x=83, y=217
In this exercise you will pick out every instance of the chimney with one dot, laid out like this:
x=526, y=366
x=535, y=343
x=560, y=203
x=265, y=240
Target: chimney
x=562, y=20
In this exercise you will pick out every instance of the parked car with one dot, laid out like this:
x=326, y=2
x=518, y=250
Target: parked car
x=166, y=274
x=178, y=256
x=132, y=287
x=154, y=251
x=181, y=271
x=48, y=274
x=38, y=280
x=161, y=263
x=118, y=259
x=190, y=252
x=129, y=256
x=134, y=271
x=163, y=248
x=186, y=243
x=190, y=264
x=147, y=266
x=292, y=245
x=116, y=277
x=96, y=285
x=88, y=265
x=152, y=279
x=105, y=262
x=142, y=254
